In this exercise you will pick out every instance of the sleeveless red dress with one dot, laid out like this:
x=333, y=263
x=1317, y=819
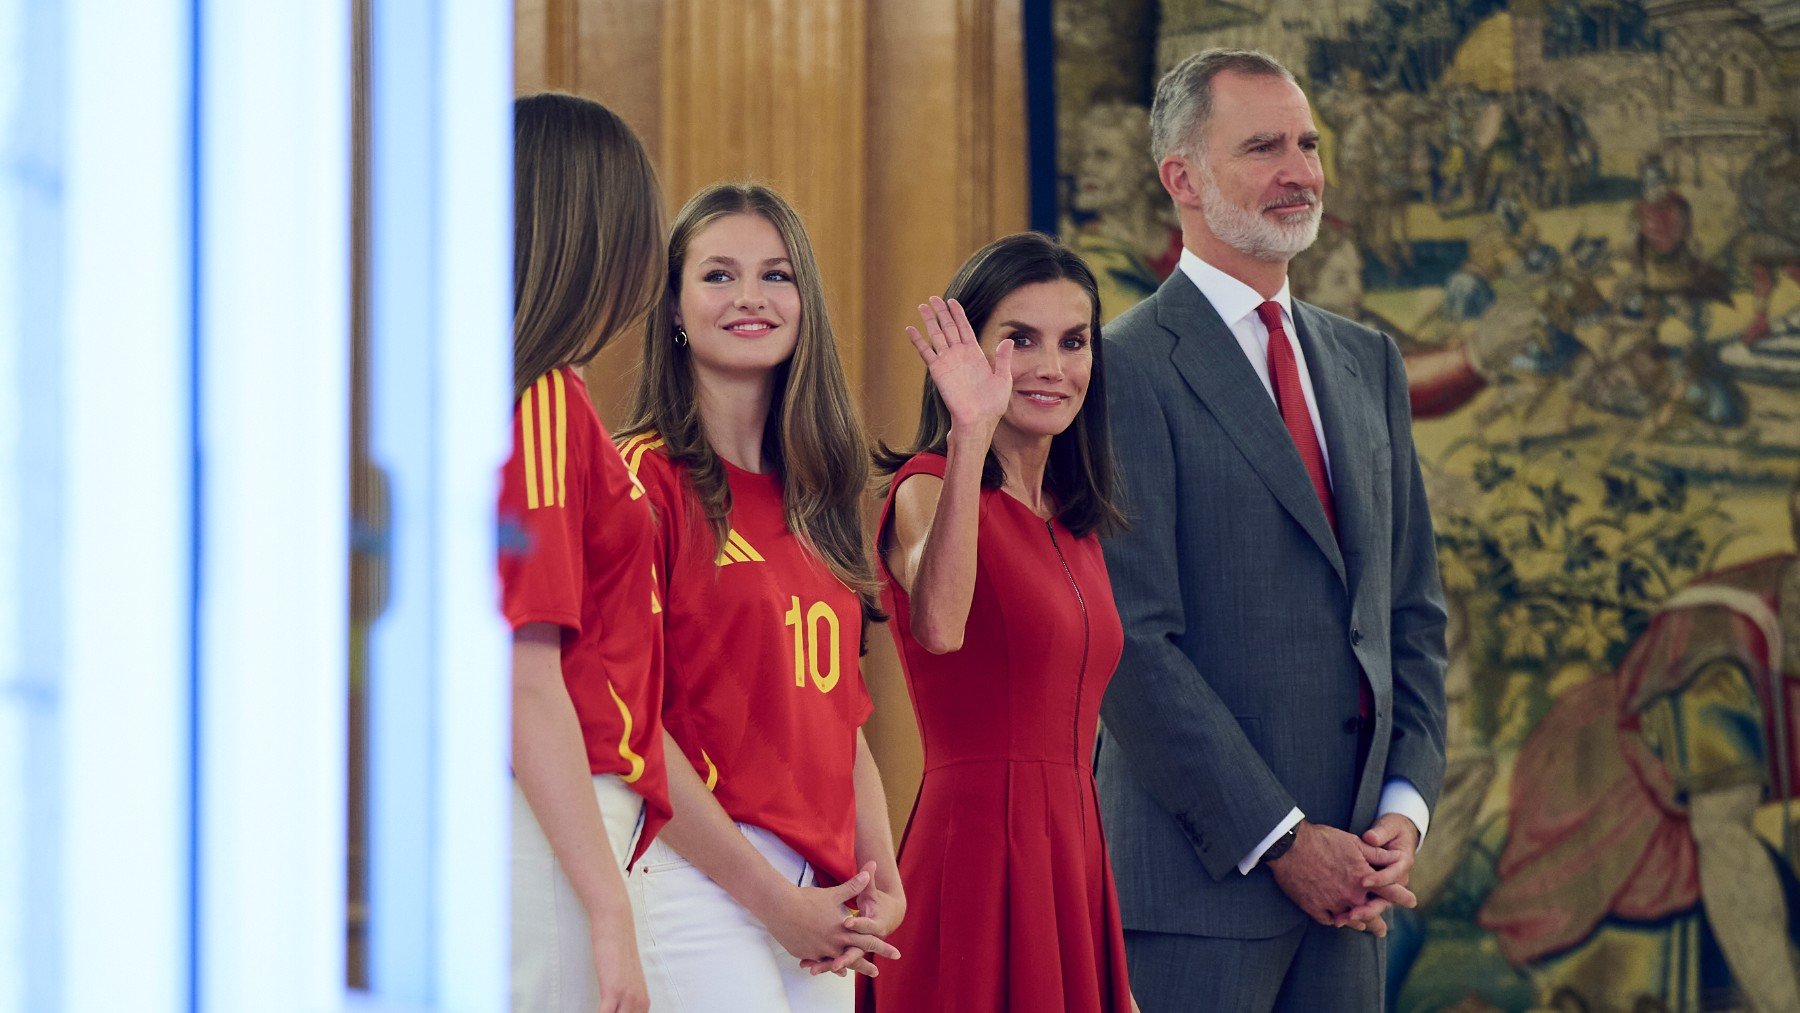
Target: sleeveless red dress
x=1010, y=899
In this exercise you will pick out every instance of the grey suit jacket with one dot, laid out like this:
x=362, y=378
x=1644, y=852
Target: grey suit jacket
x=1247, y=624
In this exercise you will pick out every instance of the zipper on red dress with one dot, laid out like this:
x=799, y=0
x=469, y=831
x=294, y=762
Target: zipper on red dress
x=1081, y=677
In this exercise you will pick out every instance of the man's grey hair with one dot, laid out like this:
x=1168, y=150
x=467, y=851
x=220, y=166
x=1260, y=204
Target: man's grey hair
x=1184, y=97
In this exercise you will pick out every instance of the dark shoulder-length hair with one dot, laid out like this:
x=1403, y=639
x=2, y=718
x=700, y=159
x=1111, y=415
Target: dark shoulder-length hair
x=587, y=232
x=1080, y=471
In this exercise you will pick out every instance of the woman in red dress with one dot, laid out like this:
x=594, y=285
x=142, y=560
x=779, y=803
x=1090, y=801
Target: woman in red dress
x=1005, y=622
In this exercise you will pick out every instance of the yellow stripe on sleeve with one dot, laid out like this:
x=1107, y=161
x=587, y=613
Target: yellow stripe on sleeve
x=547, y=463
x=712, y=771
x=636, y=761
x=528, y=425
x=637, y=454
x=562, y=441
x=638, y=446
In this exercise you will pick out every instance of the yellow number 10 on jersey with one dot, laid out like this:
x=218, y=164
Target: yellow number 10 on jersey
x=806, y=643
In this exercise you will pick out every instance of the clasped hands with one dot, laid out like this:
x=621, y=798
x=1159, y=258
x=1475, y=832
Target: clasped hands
x=811, y=923
x=1343, y=880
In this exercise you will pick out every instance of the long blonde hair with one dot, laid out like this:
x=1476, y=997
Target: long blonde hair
x=587, y=232
x=812, y=436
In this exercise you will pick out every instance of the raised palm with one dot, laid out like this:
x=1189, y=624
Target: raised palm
x=975, y=390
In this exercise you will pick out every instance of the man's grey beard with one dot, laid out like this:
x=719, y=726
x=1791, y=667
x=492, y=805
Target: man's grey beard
x=1250, y=233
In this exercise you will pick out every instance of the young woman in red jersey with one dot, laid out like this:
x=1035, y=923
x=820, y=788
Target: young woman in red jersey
x=576, y=564
x=745, y=441
x=1004, y=617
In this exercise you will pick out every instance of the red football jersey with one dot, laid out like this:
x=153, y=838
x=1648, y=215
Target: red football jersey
x=577, y=549
x=763, y=689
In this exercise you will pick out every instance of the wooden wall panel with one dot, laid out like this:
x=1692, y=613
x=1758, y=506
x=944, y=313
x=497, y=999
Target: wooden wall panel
x=544, y=52
x=947, y=173
x=616, y=61
x=774, y=90
x=609, y=51
x=531, y=41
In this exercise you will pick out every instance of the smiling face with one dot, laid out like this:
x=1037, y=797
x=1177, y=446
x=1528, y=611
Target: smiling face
x=1259, y=177
x=739, y=303
x=1050, y=323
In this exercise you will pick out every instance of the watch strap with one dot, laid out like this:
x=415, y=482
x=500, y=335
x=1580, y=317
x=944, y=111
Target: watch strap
x=1280, y=847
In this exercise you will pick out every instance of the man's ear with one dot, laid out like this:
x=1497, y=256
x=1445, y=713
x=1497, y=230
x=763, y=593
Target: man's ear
x=1181, y=179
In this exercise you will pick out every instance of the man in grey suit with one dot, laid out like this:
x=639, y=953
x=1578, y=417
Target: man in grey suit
x=1273, y=739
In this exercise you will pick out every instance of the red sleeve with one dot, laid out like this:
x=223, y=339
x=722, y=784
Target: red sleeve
x=541, y=511
x=923, y=463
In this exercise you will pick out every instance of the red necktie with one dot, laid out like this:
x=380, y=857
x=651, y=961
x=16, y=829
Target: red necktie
x=1284, y=376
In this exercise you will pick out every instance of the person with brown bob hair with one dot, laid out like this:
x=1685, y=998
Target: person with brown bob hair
x=1005, y=625
x=744, y=437
x=589, y=788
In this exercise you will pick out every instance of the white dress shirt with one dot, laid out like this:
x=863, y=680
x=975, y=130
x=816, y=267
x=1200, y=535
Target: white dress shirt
x=1236, y=304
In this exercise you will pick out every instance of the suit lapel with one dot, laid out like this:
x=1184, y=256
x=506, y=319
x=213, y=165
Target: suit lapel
x=1213, y=365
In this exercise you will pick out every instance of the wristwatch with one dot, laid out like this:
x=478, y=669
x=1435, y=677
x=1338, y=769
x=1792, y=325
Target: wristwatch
x=1279, y=848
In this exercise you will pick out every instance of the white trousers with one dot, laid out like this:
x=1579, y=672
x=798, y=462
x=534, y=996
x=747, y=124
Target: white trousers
x=552, y=959
x=704, y=953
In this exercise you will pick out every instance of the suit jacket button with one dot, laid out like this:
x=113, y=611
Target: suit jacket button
x=1355, y=636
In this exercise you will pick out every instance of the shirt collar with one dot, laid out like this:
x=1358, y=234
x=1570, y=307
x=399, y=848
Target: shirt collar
x=1231, y=298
